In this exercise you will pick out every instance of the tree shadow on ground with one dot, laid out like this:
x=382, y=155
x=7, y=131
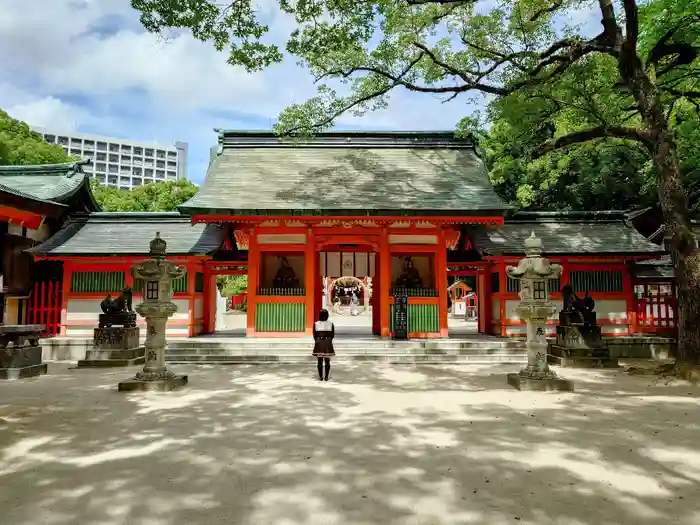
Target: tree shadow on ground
x=403, y=445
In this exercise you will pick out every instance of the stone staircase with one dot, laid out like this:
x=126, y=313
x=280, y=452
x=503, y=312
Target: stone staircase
x=247, y=351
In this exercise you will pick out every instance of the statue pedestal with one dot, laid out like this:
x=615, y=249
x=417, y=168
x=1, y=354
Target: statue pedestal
x=153, y=385
x=20, y=353
x=580, y=345
x=523, y=382
x=114, y=346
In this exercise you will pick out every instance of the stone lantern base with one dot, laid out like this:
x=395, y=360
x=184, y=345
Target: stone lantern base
x=521, y=381
x=152, y=385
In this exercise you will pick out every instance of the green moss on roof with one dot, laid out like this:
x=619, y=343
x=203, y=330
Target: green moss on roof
x=46, y=182
x=107, y=234
x=354, y=173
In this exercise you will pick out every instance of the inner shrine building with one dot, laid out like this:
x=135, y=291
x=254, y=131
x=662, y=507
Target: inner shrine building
x=404, y=212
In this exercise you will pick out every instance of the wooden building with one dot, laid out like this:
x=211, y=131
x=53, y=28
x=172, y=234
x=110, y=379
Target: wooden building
x=35, y=201
x=402, y=210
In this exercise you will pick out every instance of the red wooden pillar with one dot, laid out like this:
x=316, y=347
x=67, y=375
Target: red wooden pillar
x=253, y=281
x=310, y=283
x=65, y=293
x=628, y=288
x=502, y=290
x=376, y=294
x=441, y=284
x=384, y=282
x=192, y=317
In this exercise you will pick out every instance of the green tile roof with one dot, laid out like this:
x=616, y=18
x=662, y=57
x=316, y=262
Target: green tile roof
x=563, y=236
x=47, y=182
x=345, y=173
x=129, y=234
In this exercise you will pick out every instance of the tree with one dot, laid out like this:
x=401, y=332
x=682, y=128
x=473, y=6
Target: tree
x=511, y=51
x=159, y=196
x=19, y=145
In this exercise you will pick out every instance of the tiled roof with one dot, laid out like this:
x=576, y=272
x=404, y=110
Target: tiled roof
x=562, y=236
x=47, y=182
x=129, y=234
x=345, y=173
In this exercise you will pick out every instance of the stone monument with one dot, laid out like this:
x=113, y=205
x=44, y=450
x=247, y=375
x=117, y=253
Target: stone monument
x=157, y=275
x=115, y=341
x=20, y=353
x=535, y=308
x=579, y=342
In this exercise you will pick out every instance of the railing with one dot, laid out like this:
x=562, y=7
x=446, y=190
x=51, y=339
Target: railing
x=282, y=291
x=414, y=292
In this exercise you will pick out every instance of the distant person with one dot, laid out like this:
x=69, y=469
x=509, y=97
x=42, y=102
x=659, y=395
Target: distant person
x=324, y=332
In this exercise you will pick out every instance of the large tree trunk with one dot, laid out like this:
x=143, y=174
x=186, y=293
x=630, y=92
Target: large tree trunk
x=681, y=241
x=683, y=247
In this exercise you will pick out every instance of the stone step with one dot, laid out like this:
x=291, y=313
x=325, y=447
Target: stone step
x=345, y=351
x=310, y=360
x=365, y=345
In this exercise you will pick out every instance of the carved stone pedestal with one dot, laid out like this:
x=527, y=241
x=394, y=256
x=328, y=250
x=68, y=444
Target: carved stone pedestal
x=523, y=382
x=580, y=346
x=152, y=385
x=20, y=353
x=114, y=346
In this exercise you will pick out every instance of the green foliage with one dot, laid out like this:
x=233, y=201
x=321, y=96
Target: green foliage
x=159, y=196
x=232, y=284
x=19, y=145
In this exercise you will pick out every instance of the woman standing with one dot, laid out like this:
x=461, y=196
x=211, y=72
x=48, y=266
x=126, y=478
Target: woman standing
x=324, y=331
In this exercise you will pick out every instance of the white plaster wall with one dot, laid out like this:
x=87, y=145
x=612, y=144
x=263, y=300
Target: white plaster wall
x=198, y=308
x=289, y=238
x=40, y=234
x=412, y=239
x=83, y=315
x=611, y=309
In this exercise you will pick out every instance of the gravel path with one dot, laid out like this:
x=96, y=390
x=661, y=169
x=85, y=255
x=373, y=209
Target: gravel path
x=421, y=445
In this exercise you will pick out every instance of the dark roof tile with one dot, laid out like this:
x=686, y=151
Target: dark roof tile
x=129, y=234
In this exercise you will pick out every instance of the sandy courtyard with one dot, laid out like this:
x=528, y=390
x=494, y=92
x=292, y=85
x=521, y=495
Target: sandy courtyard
x=426, y=445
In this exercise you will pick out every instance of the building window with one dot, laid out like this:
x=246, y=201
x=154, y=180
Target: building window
x=126, y=159
x=148, y=172
x=172, y=154
x=172, y=175
x=199, y=282
x=100, y=179
x=149, y=152
x=50, y=138
x=172, y=164
x=160, y=154
x=101, y=146
x=136, y=182
x=160, y=174
x=102, y=156
x=113, y=179
x=126, y=148
x=75, y=151
x=160, y=164
x=65, y=148
x=137, y=162
x=148, y=162
x=597, y=281
x=100, y=166
x=63, y=141
x=138, y=150
x=113, y=157
x=90, y=143
x=76, y=142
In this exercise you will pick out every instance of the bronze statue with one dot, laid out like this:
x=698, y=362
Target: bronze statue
x=579, y=309
x=121, y=304
x=285, y=276
x=410, y=277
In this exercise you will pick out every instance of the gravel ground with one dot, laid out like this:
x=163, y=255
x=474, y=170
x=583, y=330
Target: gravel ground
x=402, y=445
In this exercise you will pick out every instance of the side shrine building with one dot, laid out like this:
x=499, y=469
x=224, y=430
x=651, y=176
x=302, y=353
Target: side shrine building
x=404, y=214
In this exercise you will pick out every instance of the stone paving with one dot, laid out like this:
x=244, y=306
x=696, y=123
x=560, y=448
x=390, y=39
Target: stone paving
x=402, y=445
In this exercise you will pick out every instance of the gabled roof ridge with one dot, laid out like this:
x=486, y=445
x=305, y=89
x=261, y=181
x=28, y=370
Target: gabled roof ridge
x=131, y=216
x=63, y=168
x=345, y=139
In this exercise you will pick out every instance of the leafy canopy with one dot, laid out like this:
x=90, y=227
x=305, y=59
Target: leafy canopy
x=19, y=145
x=160, y=196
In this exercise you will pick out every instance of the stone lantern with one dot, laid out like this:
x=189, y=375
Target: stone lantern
x=535, y=307
x=157, y=275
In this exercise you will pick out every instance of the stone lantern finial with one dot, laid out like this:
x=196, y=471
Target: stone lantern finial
x=533, y=245
x=157, y=246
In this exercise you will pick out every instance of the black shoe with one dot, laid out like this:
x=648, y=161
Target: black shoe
x=326, y=379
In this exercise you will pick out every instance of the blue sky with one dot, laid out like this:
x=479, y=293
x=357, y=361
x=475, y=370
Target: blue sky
x=88, y=66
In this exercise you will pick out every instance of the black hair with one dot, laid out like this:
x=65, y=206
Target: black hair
x=323, y=315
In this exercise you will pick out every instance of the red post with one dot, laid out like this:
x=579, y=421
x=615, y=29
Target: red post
x=253, y=281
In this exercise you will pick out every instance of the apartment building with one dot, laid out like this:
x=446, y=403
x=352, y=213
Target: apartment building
x=123, y=163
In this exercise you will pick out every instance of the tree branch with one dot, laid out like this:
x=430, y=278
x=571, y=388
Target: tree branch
x=546, y=10
x=592, y=133
x=631, y=25
x=423, y=2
